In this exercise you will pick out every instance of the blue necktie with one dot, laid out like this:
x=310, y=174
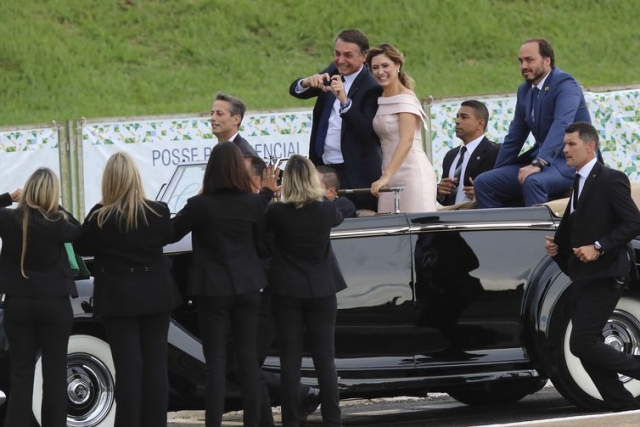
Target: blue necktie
x=323, y=126
x=535, y=103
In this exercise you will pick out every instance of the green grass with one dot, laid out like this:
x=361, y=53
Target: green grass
x=65, y=59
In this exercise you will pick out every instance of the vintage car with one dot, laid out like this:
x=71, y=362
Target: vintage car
x=459, y=301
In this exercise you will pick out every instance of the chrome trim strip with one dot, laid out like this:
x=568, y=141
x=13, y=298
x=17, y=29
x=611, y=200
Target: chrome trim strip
x=541, y=225
x=439, y=227
x=369, y=232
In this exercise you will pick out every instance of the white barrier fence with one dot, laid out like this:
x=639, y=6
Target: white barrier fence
x=159, y=144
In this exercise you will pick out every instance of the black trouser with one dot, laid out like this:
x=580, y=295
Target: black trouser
x=33, y=325
x=595, y=301
x=139, y=350
x=215, y=314
x=318, y=316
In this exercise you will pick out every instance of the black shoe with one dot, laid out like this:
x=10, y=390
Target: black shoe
x=308, y=404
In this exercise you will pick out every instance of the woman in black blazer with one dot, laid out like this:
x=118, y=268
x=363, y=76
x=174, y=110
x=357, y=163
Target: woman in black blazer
x=37, y=280
x=226, y=275
x=304, y=278
x=134, y=291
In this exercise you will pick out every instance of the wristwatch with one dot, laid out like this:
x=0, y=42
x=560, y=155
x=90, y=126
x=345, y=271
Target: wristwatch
x=539, y=163
x=598, y=246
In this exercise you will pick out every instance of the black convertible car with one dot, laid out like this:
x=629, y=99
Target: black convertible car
x=459, y=301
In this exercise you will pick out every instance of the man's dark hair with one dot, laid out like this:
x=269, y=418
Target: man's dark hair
x=256, y=165
x=236, y=106
x=329, y=177
x=545, y=49
x=354, y=36
x=586, y=132
x=480, y=110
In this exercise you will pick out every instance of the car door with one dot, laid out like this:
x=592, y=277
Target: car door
x=471, y=270
x=374, y=330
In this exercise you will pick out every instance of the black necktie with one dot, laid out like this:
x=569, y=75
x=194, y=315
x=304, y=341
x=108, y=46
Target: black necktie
x=323, y=126
x=576, y=190
x=458, y=171
x=535, y=100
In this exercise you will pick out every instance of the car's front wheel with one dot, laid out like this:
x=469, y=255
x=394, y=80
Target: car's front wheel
x=90, y=383
x=622, y=332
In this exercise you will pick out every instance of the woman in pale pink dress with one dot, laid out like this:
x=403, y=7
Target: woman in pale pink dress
x=398, y=123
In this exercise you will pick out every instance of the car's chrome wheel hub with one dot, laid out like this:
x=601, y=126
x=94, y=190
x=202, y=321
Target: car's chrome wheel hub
x=89, y=390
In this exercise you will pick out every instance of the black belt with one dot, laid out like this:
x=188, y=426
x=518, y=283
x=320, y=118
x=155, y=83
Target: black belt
x=335, y=166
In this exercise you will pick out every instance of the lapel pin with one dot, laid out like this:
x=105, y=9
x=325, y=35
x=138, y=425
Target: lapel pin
x=546, y=88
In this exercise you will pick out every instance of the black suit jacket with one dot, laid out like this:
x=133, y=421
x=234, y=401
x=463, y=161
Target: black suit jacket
x=131, y=277
x=303, y=264
x=247, y=149
x=483, y=159
x=359, y=143
x=605, y=213
x=5, y=200
x=228, y=241
x=46, y=262
x=346, y=207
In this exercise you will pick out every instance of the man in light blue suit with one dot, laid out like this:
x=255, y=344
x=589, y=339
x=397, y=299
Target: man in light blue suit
x=548, y=101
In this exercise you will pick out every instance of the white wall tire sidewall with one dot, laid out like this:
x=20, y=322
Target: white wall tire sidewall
x=78, y=344
x=575, y=368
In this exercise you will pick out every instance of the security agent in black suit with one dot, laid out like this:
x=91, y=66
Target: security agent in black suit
x=227, y=113
x=342, y=134
x=479, y=155
x=134, y=294
x=304, y=278
x=226, y=275
x=38, y=282
x=591, y=246
x=264, y=183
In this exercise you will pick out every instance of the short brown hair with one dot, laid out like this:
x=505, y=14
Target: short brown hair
x=236, y=106
x=354, y=36
x=545, y=49
x=586, y=132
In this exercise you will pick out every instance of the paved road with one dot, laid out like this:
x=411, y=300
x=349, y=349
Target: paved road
x=545, y=408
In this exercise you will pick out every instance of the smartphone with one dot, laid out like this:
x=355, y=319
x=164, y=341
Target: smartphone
x=328, y=82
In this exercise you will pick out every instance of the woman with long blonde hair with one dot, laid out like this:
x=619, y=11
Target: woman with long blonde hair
x=134, y=291
x=37, y=280
x=398, y=123
x=304, y=278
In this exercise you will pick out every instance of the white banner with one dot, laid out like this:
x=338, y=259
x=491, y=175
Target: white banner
x=158, y=145
x=23, y=151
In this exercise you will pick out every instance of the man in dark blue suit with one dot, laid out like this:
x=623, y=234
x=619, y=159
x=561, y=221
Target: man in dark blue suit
x=547, y=102
x=342, y=135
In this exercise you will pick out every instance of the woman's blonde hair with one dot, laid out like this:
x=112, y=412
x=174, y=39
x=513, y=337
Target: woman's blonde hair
x=41, y=194
x=396, y=57
x=300, y=182
x=122, y=194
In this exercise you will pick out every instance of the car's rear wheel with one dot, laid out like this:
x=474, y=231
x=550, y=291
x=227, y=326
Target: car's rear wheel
x=90, y=383
x=622, y=332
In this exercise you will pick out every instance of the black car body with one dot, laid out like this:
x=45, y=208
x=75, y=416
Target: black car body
x=465, y=302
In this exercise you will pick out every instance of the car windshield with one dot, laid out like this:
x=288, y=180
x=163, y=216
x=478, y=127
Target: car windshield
x=186, y=182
